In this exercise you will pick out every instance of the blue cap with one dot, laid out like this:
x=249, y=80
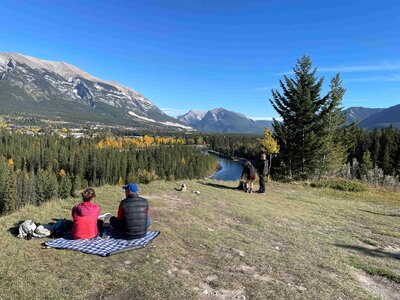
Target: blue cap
x=132, y=187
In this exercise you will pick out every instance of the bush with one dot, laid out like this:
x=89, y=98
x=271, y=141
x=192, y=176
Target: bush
x=339, y=184
x=145, y=176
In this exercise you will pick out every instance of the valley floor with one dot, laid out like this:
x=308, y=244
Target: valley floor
x=295, y=242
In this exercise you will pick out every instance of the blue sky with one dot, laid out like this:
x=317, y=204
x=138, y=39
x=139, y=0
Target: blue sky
x=201, y=55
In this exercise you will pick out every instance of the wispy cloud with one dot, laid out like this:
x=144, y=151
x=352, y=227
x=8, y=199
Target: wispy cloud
x=173, y=111
x=362, y=68
x=383, y=67
x=262, y=89
x=265, y=118
x=368, y=79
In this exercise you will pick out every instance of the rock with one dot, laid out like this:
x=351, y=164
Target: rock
x=211, y=278
x=127, y=262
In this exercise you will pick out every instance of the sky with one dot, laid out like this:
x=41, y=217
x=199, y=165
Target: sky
x=192, y=54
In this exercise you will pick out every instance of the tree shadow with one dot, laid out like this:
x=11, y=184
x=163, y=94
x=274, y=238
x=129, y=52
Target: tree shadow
x=219, y=186
x=370, y=252
x=380, y=214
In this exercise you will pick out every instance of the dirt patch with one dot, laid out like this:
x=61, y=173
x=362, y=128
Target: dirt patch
x=205, y=291
x=379, y=286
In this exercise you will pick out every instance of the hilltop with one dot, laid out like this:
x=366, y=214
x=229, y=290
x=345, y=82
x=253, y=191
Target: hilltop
x=294, y=242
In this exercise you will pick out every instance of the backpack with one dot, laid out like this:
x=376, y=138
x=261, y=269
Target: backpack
x=61, y=228
x=28, y=230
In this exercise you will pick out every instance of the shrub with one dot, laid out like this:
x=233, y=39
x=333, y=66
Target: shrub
x=339, y=184
x=145, y=176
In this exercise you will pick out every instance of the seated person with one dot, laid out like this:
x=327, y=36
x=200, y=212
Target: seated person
x=133, y=214
x=85, y=215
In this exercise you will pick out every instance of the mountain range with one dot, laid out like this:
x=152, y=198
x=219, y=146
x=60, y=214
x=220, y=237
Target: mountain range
x=223, y=120
x=58, y=91
x=370, y=118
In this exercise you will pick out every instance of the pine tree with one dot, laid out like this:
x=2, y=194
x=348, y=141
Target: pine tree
x=11, y=194
x=3, y=182
x=334, y=151
x=51, y=185
x=41, y=185
x=65, y=186
x=302, y=132
x=366, y=164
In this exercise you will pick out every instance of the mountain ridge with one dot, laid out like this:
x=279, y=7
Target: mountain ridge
x=44, y=88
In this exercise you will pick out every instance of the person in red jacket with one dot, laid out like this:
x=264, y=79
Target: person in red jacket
x=85, y=216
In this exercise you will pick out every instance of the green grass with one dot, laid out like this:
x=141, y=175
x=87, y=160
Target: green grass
x=295, y=242
x=376, y=271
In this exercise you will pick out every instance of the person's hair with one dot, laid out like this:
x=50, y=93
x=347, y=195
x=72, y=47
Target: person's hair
x=248, y=163
x=88, y=194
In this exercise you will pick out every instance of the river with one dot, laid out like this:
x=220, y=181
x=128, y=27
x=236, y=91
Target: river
x=230, y=170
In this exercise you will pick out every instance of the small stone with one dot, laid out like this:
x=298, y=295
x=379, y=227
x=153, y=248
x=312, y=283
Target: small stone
x=211, y=278
x=205, y=292
x=127, y=262
x=210, y=229
x=301, y=288
x=277, y=248
x=156, y=261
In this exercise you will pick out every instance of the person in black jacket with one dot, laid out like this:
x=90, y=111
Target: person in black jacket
x=133, y=218
x=262, y=169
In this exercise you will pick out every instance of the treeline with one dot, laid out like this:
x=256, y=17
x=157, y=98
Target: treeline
x=35, y=169
x=233, y=146
x=379, y=148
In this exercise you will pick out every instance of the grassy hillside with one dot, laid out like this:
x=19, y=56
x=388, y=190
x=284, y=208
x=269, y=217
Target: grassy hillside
x=296, y=242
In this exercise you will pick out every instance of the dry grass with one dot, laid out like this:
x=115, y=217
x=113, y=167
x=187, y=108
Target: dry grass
x=296, y=242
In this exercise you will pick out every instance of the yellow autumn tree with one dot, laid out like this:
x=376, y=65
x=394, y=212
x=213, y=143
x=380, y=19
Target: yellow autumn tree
x=120, y=181
x=61, y=173
x=10, y=162
x=269, y=146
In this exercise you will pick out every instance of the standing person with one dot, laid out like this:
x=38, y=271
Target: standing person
x=85, y=216
x=262, y=169
x=248, y=175
x=133, y=218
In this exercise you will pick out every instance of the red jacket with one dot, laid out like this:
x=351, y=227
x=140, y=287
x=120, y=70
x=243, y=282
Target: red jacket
x=85, y=217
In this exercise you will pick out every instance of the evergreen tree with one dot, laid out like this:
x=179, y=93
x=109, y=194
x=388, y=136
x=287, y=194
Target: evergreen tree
x=334, y=151
x=11, y=194
x=366, y=164
x=3, y=182
x=65, y=186
x=303, y=132
x=41, y=185
x=51, y=190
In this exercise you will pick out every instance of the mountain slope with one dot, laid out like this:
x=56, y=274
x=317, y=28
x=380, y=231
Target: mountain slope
x=36, y=87
x=355, y=114
x=384, y=118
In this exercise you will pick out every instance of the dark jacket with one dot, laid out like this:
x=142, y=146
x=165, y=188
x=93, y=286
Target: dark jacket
x=262, y=167
x=249, y=172
x=133, y=212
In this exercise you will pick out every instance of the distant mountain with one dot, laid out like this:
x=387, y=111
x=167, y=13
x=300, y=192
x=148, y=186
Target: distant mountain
x=192, y=117
x=265, y=123
x=356, y=114
x=384, y=118
x=223, y=120
x=56, y=90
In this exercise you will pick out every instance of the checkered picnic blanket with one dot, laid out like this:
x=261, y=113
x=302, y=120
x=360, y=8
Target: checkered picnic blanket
x=100, y=246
